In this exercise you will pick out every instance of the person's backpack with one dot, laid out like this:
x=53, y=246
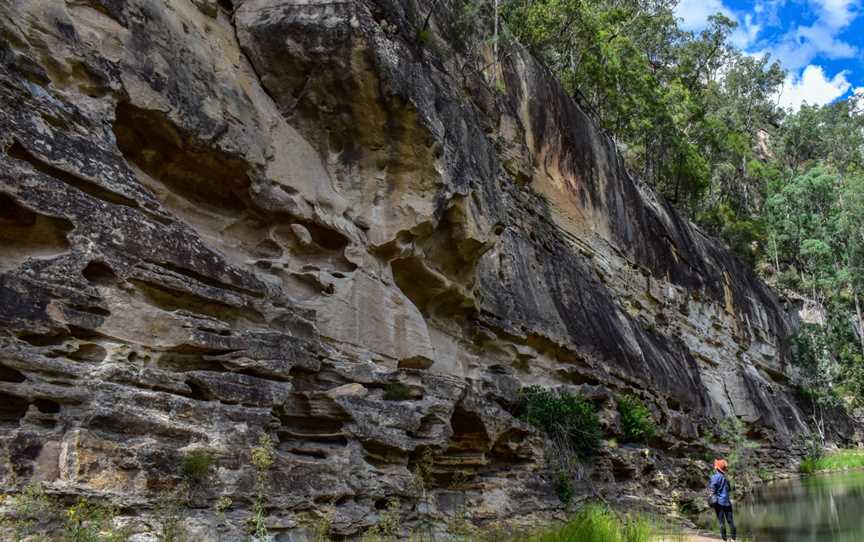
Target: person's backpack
x=712, y=497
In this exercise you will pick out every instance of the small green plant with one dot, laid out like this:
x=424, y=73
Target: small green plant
x=37, y=517
x=389, y=524
x=808, y=466
x=396, y=391
x=742, y=467
x=32, y=512
x=195, y=465
x=88, y=522
x=637, y=423
x=422, y=473
x=169, y=514
x=564, y=486
x=223, y=504
x=424, y=36
x=263, y=458
x=563, y=415
x=321, y=529
x=500, y=86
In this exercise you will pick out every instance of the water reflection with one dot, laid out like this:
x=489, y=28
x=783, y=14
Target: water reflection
x=822, y=508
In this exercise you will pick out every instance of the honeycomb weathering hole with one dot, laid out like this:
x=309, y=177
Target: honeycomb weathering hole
x=99, y=273
x=12, y=408
x=8, y=374
x=28, y=234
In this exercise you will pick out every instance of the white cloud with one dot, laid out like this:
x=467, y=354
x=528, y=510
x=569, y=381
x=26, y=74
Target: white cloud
x=694, y=17
x=694, y=13
x=745, y=35
x=837, y=13
x=801, y=44
x=812, y=87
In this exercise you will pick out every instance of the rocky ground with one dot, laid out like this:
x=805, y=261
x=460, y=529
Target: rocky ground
x=348, y=226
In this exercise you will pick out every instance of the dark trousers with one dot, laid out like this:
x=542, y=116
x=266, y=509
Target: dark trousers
x=724, y=516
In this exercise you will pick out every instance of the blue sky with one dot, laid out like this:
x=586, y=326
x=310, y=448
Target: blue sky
x=819, y=42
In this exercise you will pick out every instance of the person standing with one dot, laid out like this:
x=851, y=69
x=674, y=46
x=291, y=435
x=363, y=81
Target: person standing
x=719, y=497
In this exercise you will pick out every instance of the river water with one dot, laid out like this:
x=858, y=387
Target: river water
x=820, y=508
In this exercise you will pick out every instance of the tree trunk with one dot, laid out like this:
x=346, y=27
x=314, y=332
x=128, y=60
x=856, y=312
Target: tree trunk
x=860, y=322
x=495, y=38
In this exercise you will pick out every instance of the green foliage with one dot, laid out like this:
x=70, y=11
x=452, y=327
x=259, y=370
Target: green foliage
x=396, y=391
x=807, y=466
x=38, y=517
x=687, y=106
x=424, y=36
x=636, y=420
x=564, y=416
x=321, y=529
x=33, y=512
x=742, y=464
x=169, y=513
x=838, y=461
x=389, y=524
x=598, y=523
x=88, y=522
x=564, y=487
x=263, y=457
x=195, y=465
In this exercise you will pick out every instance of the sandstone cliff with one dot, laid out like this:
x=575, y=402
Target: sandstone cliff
x=221, y=219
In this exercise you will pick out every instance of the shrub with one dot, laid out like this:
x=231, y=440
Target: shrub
x=396, y=391
x=636, y=420
x=563, y=416
x=389, y=525
x=808, y=465
x=195, y=465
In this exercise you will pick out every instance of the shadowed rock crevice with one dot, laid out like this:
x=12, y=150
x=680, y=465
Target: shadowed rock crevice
x=170, y=299
x=25, y=234
x=12, y=409
x=100, y=273
x=88, y=352
x=8, y=374
x=180, y=166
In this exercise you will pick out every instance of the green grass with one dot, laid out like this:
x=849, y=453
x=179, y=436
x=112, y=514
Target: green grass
x=842, y=460
x=597, y=523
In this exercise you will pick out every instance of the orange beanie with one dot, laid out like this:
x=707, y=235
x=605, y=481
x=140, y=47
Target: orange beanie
x=721, y=465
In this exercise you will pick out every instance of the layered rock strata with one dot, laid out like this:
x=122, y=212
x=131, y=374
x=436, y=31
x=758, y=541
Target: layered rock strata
x=346, y=225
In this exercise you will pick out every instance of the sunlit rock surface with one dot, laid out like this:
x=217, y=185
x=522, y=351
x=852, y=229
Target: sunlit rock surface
x=220, y=219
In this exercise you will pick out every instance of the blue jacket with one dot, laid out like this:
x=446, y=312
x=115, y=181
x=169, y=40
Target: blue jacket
x=719, y=486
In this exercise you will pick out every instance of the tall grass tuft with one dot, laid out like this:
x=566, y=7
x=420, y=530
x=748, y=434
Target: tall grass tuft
x=597, y=523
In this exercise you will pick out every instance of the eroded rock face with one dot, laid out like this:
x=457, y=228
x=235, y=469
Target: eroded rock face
x=223, y=219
